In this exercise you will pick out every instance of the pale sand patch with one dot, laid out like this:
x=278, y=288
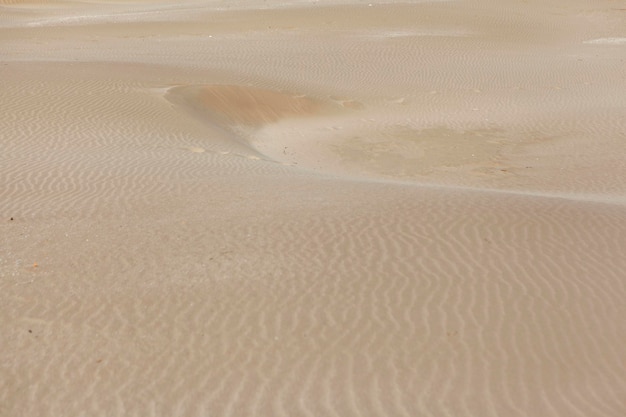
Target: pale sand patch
x=606, y=41
x=12, y=2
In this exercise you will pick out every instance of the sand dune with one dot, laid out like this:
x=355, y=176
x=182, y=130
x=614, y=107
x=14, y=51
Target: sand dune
x=312, y=209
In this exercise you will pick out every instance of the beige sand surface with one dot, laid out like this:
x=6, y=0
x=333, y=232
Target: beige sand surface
x=313, y=208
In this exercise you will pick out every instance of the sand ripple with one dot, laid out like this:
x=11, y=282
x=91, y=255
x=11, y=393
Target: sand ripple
x=412, y=209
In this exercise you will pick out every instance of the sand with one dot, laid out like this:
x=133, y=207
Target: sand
x=312, y=208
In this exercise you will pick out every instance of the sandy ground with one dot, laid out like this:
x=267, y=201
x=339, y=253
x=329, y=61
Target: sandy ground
x=313, y=208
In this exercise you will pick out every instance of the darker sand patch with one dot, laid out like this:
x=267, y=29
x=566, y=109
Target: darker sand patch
x=405, y=152
x=241, y=105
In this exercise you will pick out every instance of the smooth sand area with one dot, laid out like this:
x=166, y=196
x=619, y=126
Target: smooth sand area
x=313, y=208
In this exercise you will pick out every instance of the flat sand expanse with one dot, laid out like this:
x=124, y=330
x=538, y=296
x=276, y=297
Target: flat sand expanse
x=313, y=208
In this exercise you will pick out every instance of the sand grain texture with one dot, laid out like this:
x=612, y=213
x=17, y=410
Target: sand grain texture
x=301, y=208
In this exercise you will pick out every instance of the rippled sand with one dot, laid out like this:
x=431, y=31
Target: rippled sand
x=307, y=208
